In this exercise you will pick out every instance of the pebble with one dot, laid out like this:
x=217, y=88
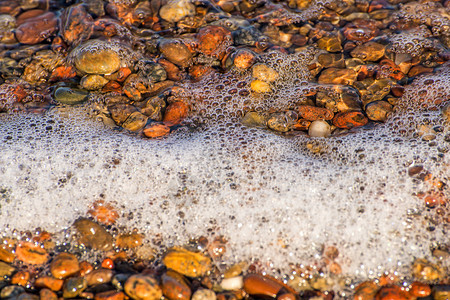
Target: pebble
x=330, y=43
x=418, y=289
x=129, y=240
x=214, y=40
x=76, y=24
x=92, y=235
x=244, y=59
x=319, y=128
x=260, y=86
x=6, y=255
x=140, y=287
x=11, y=292
x=174, y=286
x=93, y=82
x=34, y=26
x=365, y=291
x=378, y=110
x=175, y=11
x=441, y=292
x=74, y=286
x=176, y=52
x=135, y=121
x=255, y=284
x=156, y=130
x=337, y=76
x=64, y=265
x=188, y=263
x=6, y=269
x=31, y=254
x=93, y=57
x=204, y=294
x=99, y=276
x=350, y=119
x=370, y=51
x=427, y=271
x=445, y=111
x=264, y=73
x=313, y=113
x=391, y=292
x=120, y=112
x=110, y=295
x=232, y=283
x=283, y=121
x=175, y=113
x=254, y=119
x=47, y=295
x=49, y=282
x=21, y=278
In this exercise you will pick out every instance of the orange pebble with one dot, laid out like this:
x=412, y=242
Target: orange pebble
x=31, y=254
x=365, y=291
x=387, y=279
x=47, y=294
x=110, y=295
x=156, y=130
x=108, y=263
x=391, y=292
x=349, y=119
x=419, y=289
x=313, y=113
x=175, y=113
x=49, y=283
x=104, y=212
x=62, y=73
x=85, y=268
x=20, y=278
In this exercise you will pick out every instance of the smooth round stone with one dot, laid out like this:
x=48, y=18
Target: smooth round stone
x=142, y=287
x=11, y=291
x=188, y=263
x=135, y=121
x=64, y=265
x=6, y=269
x=70, y=96
x=233, y=283
x=204, y=294
x=175, y=11
x=74, y=286
x=93, y=82
x=319, y=128
x=92, y=235
x=254, y=119
x=174, y=286
x=6, y=255
x=94, y=57
x=176, y=52
x=99, y=276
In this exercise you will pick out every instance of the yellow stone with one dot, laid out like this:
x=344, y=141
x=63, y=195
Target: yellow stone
x=427, y=271
x=264, y=73
x=260, y=86
x=188, y=263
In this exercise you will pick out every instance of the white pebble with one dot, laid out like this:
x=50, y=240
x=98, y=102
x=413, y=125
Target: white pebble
x=204, y=294
x=319, y=128
x=233, y=283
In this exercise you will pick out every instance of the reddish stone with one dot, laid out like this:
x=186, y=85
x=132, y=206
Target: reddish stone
x=365, y=291
x=62, y=73
x=175, y=113
x=103, y=212
x=302, y=124
x=313, y=113
x=31, y=253
x=349, y=119
x=6, y=255
x=20, y=278
x=214, y=40
x=156, y=130
x=85, y=268
x=174, y=286
x=391, y=292
x=77, y=25
x=110, y=295
x=112, y=86
x=108, y=263
x=417, y=70
x=49, y=283
x=47, y=294
x=173, y=72
x=34, y=26
x=255, y=284
x=64, y=265
x=419, y=289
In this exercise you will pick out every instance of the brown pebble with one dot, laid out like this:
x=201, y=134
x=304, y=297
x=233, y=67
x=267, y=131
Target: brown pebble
x=155, y=130
x=349, y=119
x=255, y=284
x=365, y=291
x=391, y=292
x=64, y=265
x=110, y=295
x=337, y=76
x=188, y=263
x=417, y=70
x=6, y=255
x=427, y=271
x=92, y=235
x=34, y=26
x=174, y=286
x=313, y=113
x=21, y=278
x=214, y=40
x=31, y=253
x=76, y=24
x=176, y=52
x=49, y=283
x=6, y=269
x=370, y=51
x=419, y=289
x=378, y=110
x=85, y=268
x=142, y=287
x=287, y=296
x=47, y=295
x=130, y=240
x=99, y=276
x=175, y=113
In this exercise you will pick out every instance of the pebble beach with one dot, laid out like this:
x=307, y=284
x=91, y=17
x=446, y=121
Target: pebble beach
x=214, y=149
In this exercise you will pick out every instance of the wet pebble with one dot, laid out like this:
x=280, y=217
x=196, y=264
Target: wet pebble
x=313, y=113
x=21, y=278
x=319, y=128
x=204, y=294
x=283, y=121
x=175, y=113
x=365, y=291
x=6, y=255
x=94, y=57
x=93, y=82
x=142, y=287
x=11, y=292
x=174, y=286
x=130, y=240
x=260, y=86
x=31, y=253
x=349, y=119
x=370, y=51
x=99, y=276
x=64, y=265
x=427, y=271
x=135, y=121
x=6, y=269
x=49, y=282
x=176, y=52
x=156, y=130
x=92, y=235
x=110, y=295
x=255, y=284
x=47, y=294
x=254, y=119
x=232, y=283
x=188, y=263
x=74, y=286
x=34, y=26
x=391, y=292
x=175, y=11
x=337, y=76
x=378, y=110
x=264, y=73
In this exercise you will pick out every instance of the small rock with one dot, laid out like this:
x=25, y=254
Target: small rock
x=74, y=286
x=93, y=82
x=330, y=43
x=64, y=265
x=176, y=52
x=391, y=292
x=31, y=253
x=21, y=278
x=370, y=51
x=331, y=60
x=110, y=295
x=232, y=283
x=255, y=284
x=264, y=73
x=99, y=276
x=313, y=113
x=254, y=119
x=155, y=130
x=142, y=287
x=319, y=128
x=418, y=289
x=128, y=241
x=441, y=292
x=337, y=76
x=174, y=286
x=118, y=281
x=49, y=283
x=214, y=40
x=6, y=255
x=77, y=24
x=188, y=263
x=135, y=121
x=260, y=86
x=349, y=119
x=34, y=26
x=120, y=112
x=6, y=269
x=94, y=57
x=175, y=113
x=175, y=11
x=204, y=294
x=426, y=271
x=244, y=59
x=153, y=108
x=283, y=121
x=11, y=292
x=92, y=235
x=378, y=110
x=446, y=112
x=47, y=294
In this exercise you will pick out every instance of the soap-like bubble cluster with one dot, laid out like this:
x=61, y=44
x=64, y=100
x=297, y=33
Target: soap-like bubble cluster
x=413, y=41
